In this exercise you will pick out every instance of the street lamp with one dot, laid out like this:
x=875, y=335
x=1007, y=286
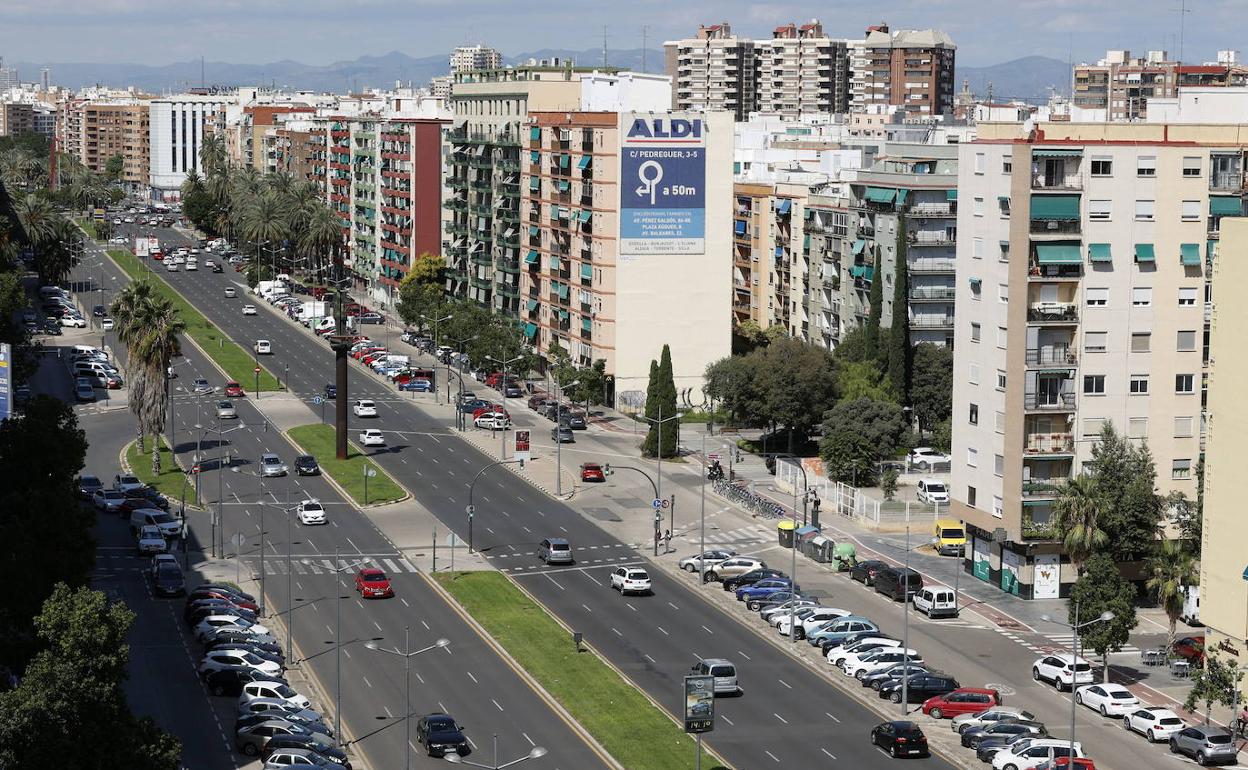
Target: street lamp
x=407, y=653
x=905, y=612
x=216, y=519
x=706, y=469
x=506, y=422
x=437, y=321
x=338, y=635
x=459, y=346
x=658, y=492
x=558, y=441
x=1075, y=628
x=471, y=509
x=534, y=753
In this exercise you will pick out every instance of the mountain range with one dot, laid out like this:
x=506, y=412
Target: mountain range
x=1028, y=78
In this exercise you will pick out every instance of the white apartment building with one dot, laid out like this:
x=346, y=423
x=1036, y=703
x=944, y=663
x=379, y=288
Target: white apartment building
x=714, y=71
x=1082, y=279
x=475, y=57
x=178, y=124
x=801, y=70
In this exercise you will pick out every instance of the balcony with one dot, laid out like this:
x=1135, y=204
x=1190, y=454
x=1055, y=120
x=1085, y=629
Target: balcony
x=921, y=210
x=1057, y=357
x=1053, y=313
x=1042, y=488
x=1067, y=272
x=921, y=239
x=1037, y=527
x=1059, y=227
x=931, y=294
x=932, y=266
x=931, y=322
x=1226, y=181
x=1049, y=402
x=1049, y=444
x=1056, y=181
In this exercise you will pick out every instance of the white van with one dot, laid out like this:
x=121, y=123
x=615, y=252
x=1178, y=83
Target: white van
x=1191, y=606
x=933, y=491
x=724, y=672
x=937, y=602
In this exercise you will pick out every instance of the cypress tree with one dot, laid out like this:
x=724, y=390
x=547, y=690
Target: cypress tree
x=652, y=409
x=661, y=404
x=876, y=300
x=899, y=352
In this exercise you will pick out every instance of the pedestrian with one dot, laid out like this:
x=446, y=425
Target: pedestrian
x=667, y=541
x=658, y=537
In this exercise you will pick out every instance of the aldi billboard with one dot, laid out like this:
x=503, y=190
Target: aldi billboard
x=662, y=184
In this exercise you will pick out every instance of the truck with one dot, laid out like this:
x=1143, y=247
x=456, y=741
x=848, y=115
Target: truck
x=265, y=288
x=313, y=309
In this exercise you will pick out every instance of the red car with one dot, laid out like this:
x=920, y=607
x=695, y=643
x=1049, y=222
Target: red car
x=371, y=357
x=592, y=472
x=373, y=584
x=233, y=389
x=1191, y=649
x=1062, y=763
x=488, y=409
x=964, y=700
x=493, y=378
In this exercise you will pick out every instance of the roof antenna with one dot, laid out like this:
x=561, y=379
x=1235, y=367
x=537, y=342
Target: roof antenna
x=644, y=30
x=604, y=46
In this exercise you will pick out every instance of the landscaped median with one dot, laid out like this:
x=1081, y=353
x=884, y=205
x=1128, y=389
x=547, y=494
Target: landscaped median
x=616, y=714
x=318, y=441
x=236, y=361
x=172, y=482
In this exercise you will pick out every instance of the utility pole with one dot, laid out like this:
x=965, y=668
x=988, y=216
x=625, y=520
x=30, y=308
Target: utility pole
x=604, y=45
x=644, y=30
x=339, y=343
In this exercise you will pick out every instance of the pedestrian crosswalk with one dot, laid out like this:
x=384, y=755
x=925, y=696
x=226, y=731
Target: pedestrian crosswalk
x=297, y=566
x=752, y=535
x=1049, y=642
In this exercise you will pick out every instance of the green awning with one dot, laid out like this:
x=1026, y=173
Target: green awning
x=530, y=329
x=535, y=184
x=1054, y=153
x=563, y=314
x=1003, y=199
x=1189, y=253
x=880, y=195
x=806, y=242
x=535, y=156
x=587, y=324
x=1144, y=252
x=535, y=132
x=563, y=291
x=901, y=196
x=859, y=245
x=587, y=271
x=976, y=282
x=1058, y=254
x=1063, y=207
x=951, y=195
x=586, y=216
x=555, y=263
x=1225, y=205
x=1099, y=252
x=564, y=185
x=530, y=258
x=565, y=161
x=531, y=305
x=583, y=163
x=534, y=230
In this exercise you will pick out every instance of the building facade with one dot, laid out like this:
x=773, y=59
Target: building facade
x=96, y=131
x=1082, y=269
x=910, y=69
x=475, y=57
x=1120, y=86
x=16, y=118
x=178, y=125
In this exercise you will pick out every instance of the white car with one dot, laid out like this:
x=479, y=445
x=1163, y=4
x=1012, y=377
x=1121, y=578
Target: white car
x=106, y=324
x=222, y=659
x=311, y=512
x=816, y=618
x=1020, y=755
x=364, y=409
x=226, y=410
x=1064, y=671
x=263, y=348
x=631, y=580
x=249, y=309
x=963, y=722
x=927, y=458
x=1153, y=722
x=124, y=482
x=214, y=623
x=1112, y=700
x=710, y=558
x=838, y=654
x=858, y=667
x=74, y=321
x=492, y=421
x=171, y=266
x=275, y=690
x=230, y=293
x=160, y=560
x=150, y=540
x=785, y=609
x=372, y=437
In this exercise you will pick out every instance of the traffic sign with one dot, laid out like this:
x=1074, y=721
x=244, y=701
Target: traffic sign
x=453, y=540
x=471, y=509
x=318, y=400
x=239, y=540
x=370, y=472
x=656, y=503
x=256, y=370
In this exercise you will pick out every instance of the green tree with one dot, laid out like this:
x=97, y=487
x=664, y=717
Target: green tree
x=114, y=167
x=848, y=457
x=660, y=405
x=1131, y=509
x=898, y=351
x=421, y=292
x=855, y=346
x=198, y=208
x=1216, y=682
x=888, y=484
x=862, y=379
x=733, y=382
x=876, y=299
x=796, y=383
x=321, y=238
x=856, y=435
x=1100, y=589
x=942, y=437
x=931, y=386
x=1171, y=570
x=1077, y=519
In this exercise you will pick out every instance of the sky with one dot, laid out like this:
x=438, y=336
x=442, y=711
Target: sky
x=319, y=32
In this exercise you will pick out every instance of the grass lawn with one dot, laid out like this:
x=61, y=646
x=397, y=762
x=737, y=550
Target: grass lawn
x=626, y=724
x=318, y=441
x=87, y=224
x=171, y=480
x=237, y=362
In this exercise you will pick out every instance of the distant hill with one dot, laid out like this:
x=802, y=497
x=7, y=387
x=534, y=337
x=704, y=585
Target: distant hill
x=1027, y=78
x=629, y=59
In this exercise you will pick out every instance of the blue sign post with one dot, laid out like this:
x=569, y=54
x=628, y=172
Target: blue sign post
x=663, y=185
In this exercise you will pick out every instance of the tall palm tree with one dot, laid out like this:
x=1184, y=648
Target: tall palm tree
x=159, y=344
x=54, y=258
x=320, y=238
x=212, y=155
x=129, y=310
x=1171, y=571
x=36, y=215
x=1076, y=516
x=192, y=185
x=264, y=221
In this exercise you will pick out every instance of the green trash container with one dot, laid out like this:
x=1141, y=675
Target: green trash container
x=785, y=529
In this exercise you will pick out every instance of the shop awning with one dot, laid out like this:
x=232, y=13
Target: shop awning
x=740, y=227
x=531, y=305
x=1189, y=253
x=1058, y=254
x=583, y=163
x=530, y=329
x=859, y=245
x=783, y=206
x=1144, y=252
x=587, y=271
x=880, y=195
x=1099, y=252
x=1225, y=205
x=901, y=195
x=530, y=258
x=535, y=132
x=1044, y=152
x=586, y=216
x=1064, y=207
x=951, y=195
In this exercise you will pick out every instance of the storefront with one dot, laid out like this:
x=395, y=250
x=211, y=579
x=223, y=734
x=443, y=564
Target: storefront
x=1026, y=570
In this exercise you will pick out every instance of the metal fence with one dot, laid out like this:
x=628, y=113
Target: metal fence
x=851, y=502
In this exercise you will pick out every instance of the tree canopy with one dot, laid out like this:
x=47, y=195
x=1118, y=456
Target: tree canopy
x=1100, y=589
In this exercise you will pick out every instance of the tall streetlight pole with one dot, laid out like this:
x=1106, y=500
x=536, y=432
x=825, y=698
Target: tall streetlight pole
x=1075, y=628
x=337, y=570
x=905, y=620
x=459, y=347
x=558, y=441
x=437, y=321
x=534, y=753
x=505, y=364
x=407, y=653
x=658, y=492
x=655, y=487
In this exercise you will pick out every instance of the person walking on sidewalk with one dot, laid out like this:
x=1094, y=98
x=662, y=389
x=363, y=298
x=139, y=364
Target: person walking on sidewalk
x=667, y=541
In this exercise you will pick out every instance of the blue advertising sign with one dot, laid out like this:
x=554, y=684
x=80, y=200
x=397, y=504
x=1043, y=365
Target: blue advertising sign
x=6, y=381
x=662, y=185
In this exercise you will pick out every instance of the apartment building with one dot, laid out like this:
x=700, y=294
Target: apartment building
x=16, y=118
x=801, y=71
x=475, y=57
x=1082, y=264
x=1120, y=86
x=714, y=70
x=177, y=127
x=911, y=69
x=770, y=267
x=609, y=252
x=96, y=131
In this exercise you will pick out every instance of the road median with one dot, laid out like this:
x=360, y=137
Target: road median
x=171, y=482
x=318, y=441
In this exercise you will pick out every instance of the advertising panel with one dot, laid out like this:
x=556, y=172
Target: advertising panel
x=522, y=445
x=662, y=185
x=699, y=704
x=140, y=247
x=6, y=381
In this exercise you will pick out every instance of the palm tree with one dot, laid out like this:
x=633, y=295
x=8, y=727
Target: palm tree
x=1076, y=516
x=321, y=237
x=192, y=185
x=212, y=156
x=36, y=215
x=129, y=310
x=1171, y=571
x=55, y=256
x=158, y=345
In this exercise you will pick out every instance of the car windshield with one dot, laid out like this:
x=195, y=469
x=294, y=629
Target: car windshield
x=442, y=724
x=936, y=488
x=948, y=534
x=1218, y=738
x=224, y=405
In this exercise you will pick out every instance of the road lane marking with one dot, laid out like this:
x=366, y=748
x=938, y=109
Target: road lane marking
x=786, y=684
x=768, y=753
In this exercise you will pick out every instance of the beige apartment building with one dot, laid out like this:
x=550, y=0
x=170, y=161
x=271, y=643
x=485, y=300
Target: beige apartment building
x=714, y=70
x=912, y=69
x=16, y=118
x=1082, y=272
x=94, y=132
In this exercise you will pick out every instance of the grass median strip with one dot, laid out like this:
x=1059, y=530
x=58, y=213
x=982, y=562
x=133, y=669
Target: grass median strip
x=230, y=356
x=172, y=482
x=318, y=441
x=619, y=717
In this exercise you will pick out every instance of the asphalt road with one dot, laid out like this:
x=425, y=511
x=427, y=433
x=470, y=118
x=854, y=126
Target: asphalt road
x=466, y=679
x=787, y=718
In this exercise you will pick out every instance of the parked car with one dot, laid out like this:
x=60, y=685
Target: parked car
x=741, y=571
x=1111, y=700
x=864, y=571
x=761, y=588
x=124, y=482
x=882, y=676
x=282, y=758
x=251, y=738
x=964, y=700
x=150, y=541
x=926, y=458
x=1191, y=649
x=440, y=735
x=964, y=722
x=710, y=558
x=1004, y=731
x=919, y=687
x=1153, y=722
x=897, y=583
x=1063, y=670
x=88, y=485
x=835, y=632
x=231, y=681
x=900, y=738
x=631, y=580
x=808, y=619
x=272, y=688
x=309, y=742
x=859, y=666
x=1207, y=744
x=218, y=659
x=1019, y=755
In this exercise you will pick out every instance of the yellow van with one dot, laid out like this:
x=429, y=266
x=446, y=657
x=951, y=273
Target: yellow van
x=950, y=537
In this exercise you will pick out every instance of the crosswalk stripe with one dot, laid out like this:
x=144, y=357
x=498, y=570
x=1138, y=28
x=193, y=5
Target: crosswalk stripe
x=407, y=565
x=299, y=567
x=329, y=565
x=389, y=565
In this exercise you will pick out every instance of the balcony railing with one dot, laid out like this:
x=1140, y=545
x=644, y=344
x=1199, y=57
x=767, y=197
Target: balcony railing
x=931, y=239
x=1053, y=312
x=931, y=266
x=1049, y=443
x=1042, y=181
x=934, y=210
x=1051, y=357
x=932, y=293
x=1055, y=227
x=1058, y=402
x=931, y=322
x=1033, y=530
x=1037, y=489
x=1227, y=181
x=1038, y=272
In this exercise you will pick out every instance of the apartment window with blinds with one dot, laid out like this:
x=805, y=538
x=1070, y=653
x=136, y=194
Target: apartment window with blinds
x=1094, y=342
x=1183, y=427
x=973, y=374
x=1144, y=211
x=972, y=457
x=1187, y=297
x=1181, y=470
x=1100, y=211
x=1191, y=166
x=1190, y=211
x=1092, y=426
x=1146, y=165
x=981, y=162
x=1141, y=342
x=1141, y=297
x=1186, y=341
x=1137, y=427
x=975, y=332
x=1097, y=297
x=998, y=422
x=998, y=465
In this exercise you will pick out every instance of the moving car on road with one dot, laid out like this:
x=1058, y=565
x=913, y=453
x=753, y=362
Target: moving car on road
x=226, y=410
x=372, y=437
x=364, y=408
x=631, y=580
x=900, y=738
x=372, y=583
x=593, y=472
x=305, y=465
x=233, y=389
x=1111, y=700
x=249, y=309
x=440, y=735
x=264, y=348
x=311, y=512
x=271, y=465
x=1064, y=671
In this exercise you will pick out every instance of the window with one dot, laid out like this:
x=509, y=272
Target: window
x=1181, y=469
x=973, y=374
x=1183, y=427
x=1186, y=341
x=981, y=162
x=1102, y=166
x=998, y=465
x=973, y=414
x=1137, y=427
x=1191, y=166
x=1139, y=384
x=1092, y=426
x=970, y=496
x=1187, y=297
x=1094, y=384
x=978, y=207
x=975, y=332
x=1097, y=297
x=1141, y=342
x=998, y=422
x=1003, y=293
x=1184, y=383
x=1004, y=256
x=1100, y=210
x=1191, y=211
x=1094, y=342
x=977, y=248
x=1002, y=337
x=998, y=506
x=1141, y=297
x=1146, y=165
x=972, y=457
x=1003, y=203
x=1007, y=165
x=1144, y=211
x=1000, y=380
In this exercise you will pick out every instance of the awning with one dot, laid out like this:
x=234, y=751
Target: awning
x=530, y=258
x=859, y=245
x=1144, y=252
x=1189, y=253
x=740, y=227
x=531, y=305
x=1099, y=252
x=535, y=132
x=976, y=282
x=1225, y=205
x=880, y=195
x=901, y=195
x=1055, y=153
x=586, y=216
x=563, y=291
x=534, y=230
x=783, y=206
x=530, y=329
x=587, y=324
x=1058, y=253
x=1003, y=199
x=779, y=251
x=535, y=184
x=1064, y=207
x=583, y=163
x=555, y=263
x=563, y=314
x=565, y=161
x=587, y=271
x=951, y=195
x=564, y=185
x=806, y=242
x=535, y=156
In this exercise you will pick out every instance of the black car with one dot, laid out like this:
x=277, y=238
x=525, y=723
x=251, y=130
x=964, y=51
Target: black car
x=89, y=485
x=308, y=742
x=440, y=735
x=331, y=391
x=305, y=465
x=53, y=327
x=752, y=577
x=99, y=311
x=154, y=498
x=226, y=588
x=864, y=571
x=897, y=582
x=217, y=268
x=230, y=681
x=919, y=688
x=168, y=581
x=200, y=610
x=900, y=739
x=1010, y=731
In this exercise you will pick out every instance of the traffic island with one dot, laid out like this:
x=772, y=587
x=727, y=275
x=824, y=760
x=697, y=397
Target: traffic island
x=237, y=362
x=352, y=474
x=627, y=724
x=172, y=482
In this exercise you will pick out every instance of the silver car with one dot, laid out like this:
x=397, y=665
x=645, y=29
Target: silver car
x=251, y=739
x=271, y=465
x=226, y=411
x=1205, y=744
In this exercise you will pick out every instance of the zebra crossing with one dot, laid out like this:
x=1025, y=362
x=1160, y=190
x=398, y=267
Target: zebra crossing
x=751, y=535
x=393, y=564
x=1056, y=642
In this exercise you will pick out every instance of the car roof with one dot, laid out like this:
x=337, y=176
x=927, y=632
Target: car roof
x=716, y=661
x=557, y=540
